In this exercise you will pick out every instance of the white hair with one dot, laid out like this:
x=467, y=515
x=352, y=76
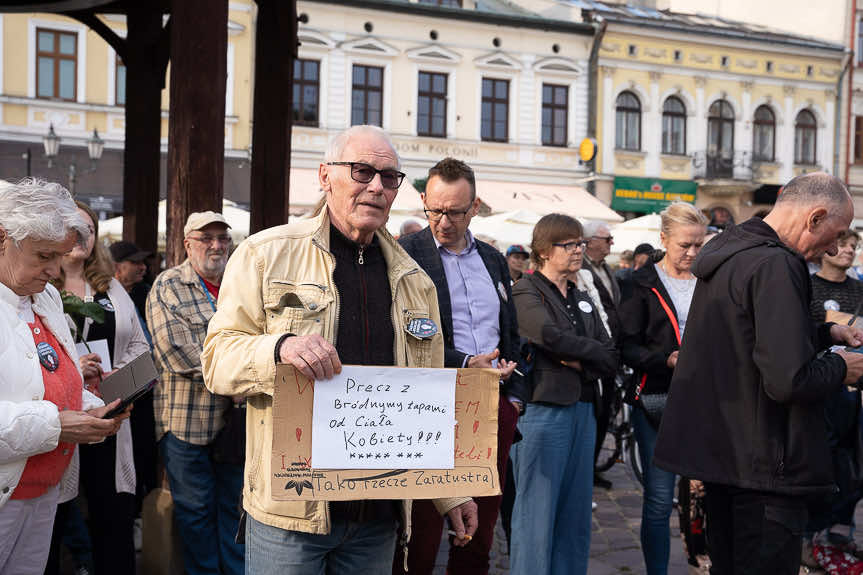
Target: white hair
x=338, y=144
x=39, y=210
x=592, y=227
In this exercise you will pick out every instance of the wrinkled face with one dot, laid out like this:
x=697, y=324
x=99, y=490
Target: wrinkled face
x=357, y=209
x=454, y=199
x=564, y=258
x=599, y=245
x=517, y=263
x=844, y=258
x=682, y=245
x=83, y=251
x=26, y=268
x=821, y=235
x=207, y=249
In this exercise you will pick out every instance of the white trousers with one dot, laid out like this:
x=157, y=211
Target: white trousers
x=25, y=533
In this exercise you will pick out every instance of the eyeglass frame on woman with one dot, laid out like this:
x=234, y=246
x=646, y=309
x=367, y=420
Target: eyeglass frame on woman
x=375, y=171
x=566, y=246
x=455, y=216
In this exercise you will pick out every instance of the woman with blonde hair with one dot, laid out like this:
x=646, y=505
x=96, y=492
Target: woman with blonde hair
x=107, y=469
x=653, y=322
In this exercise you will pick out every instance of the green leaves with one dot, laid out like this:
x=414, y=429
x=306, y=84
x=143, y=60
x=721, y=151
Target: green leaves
x=79, y=311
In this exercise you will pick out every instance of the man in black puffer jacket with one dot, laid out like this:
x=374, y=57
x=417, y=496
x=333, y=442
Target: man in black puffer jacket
x=745, y=409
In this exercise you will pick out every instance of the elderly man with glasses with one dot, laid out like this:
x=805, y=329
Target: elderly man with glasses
x=331, y=290
x=205, y=490
x=480, y=330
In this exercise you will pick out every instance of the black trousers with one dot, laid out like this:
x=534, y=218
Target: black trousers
x=603, y=414
x=753, y=532
x=111, y=514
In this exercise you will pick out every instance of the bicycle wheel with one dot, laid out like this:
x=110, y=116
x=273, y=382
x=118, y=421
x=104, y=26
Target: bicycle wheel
x=612, y=445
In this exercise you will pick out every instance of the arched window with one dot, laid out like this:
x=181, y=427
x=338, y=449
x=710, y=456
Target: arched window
x=720, y=139
x=628, y=123
x=763, y=130
x=673, y=126
x=805, y=130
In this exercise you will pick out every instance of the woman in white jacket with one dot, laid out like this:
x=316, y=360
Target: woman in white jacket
x=44, y=410
x=107, y=469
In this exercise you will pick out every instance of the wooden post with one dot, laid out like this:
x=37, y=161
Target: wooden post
x=146, y=61
x=275, y=48
x=196, y=133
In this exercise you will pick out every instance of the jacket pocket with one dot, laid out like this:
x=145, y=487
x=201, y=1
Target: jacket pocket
x=296, y=307
x=418, y=342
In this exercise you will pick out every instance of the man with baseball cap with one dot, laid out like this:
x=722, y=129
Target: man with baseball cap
x=205, y=489
x=516, y=259
x=129, y=263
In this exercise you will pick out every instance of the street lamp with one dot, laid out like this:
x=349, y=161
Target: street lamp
x=95, y=146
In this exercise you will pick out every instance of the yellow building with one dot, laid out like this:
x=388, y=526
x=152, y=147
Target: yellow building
x=734, y=109
x=56, y=71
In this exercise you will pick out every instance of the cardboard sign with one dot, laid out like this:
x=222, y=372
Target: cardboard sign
x=295, y=476
x=370, y=417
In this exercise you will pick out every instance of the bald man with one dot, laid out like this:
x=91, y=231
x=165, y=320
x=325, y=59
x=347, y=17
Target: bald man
x=745, y=412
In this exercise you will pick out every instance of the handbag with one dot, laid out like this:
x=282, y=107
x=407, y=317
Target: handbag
x=653, y=404
x=229, y=445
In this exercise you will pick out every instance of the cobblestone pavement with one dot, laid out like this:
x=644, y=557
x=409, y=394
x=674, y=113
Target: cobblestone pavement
x=615, y=544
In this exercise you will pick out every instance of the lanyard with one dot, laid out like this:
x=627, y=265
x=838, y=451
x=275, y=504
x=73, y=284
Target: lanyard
x=207, y=293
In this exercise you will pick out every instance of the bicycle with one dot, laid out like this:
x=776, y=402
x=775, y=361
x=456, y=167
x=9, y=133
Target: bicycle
x=623, y=448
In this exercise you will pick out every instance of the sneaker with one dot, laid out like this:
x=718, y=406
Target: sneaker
x=593, y=506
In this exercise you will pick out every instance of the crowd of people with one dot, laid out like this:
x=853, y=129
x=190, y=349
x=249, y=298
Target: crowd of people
x=731, y=381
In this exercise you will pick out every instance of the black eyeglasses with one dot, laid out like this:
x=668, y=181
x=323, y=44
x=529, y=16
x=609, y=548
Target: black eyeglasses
x=364, y=173
x=570, y=247
x=608, y=239
x=455, y=216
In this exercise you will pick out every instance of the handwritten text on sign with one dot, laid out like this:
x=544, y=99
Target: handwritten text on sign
x=374, y=418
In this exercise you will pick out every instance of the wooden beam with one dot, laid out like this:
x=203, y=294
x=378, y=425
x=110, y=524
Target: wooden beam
x=275, y=50
x=196, y=132
x=103, y=30
x=145, y=78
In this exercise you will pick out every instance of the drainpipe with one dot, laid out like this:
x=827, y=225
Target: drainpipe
x=849, y=65
x=599, y=26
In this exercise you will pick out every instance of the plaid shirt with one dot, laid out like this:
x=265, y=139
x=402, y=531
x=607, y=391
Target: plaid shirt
x=178, y=313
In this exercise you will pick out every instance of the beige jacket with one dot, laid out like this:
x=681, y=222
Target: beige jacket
x=281, y=281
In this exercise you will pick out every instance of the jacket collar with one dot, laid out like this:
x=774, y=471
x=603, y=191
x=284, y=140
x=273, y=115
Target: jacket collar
x=398, y=261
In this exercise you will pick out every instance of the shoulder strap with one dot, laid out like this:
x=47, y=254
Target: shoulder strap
x=668, y=312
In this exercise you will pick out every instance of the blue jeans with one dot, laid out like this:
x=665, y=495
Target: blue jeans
x=553, y=471
x=658, y=499
x=206, y=506
x=358, y=548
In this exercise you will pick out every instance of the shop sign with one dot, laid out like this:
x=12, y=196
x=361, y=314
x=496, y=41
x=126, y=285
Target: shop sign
x=650, y=195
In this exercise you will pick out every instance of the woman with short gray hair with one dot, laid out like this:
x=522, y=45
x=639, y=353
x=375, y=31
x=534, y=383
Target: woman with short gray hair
x=44, y=409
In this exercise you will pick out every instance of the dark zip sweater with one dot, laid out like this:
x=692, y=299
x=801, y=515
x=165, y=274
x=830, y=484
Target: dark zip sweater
x=364, y=333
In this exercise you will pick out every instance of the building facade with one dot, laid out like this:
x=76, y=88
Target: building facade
x=735, y=110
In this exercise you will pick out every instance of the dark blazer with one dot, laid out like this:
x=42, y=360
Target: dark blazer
x=610, y=301
x=422, y=248
x=556, y=337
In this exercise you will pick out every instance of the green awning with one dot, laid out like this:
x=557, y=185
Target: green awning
x=650, y=195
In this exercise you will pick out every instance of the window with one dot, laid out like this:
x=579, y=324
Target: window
x=306, y=92
x=720, y=140
x=860, y=42
x=495, y=110
x=763, y=130
x=554, y=114
x=447, y=3
x=56, y=64
x=632, y=50
x=805, y=129
x=723, y=61
x=858, y=139
x=367, y=95
x=628, y=122
x=119, y=82
x=673, y=126
x=431, y=117
x=769, y=66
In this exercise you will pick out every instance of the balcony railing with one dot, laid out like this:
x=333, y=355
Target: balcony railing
x=713, y=166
